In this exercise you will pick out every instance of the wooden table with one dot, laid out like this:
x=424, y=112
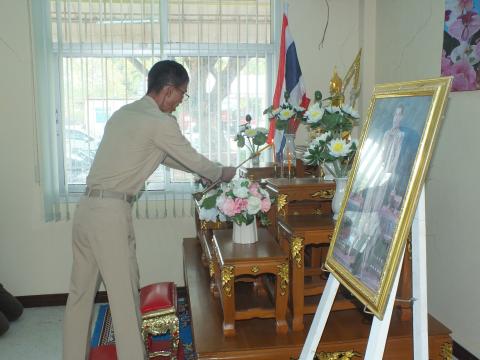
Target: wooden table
x=204, y=230
x=234, y=261
x=257, y=172
x=295, y=234
x=299, y=196
x=257, y=339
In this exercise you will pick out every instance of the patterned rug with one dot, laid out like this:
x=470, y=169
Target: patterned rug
x=103, y=333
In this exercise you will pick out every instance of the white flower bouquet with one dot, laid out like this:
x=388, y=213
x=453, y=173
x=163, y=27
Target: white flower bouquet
x=287, y=116
x=334, y=153
x=251, y=138
x=240, y=201
x=333, y=148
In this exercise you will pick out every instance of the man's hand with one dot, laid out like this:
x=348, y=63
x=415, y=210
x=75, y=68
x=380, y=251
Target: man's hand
x=205, y=181
x=228, y=173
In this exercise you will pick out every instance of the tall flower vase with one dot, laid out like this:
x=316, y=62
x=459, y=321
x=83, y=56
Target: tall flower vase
x=340, y=184
x=245, y=234
x=289, y=158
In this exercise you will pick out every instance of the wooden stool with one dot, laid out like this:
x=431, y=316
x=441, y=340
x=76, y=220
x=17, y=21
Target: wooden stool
x=295, y=234
x=159, y=316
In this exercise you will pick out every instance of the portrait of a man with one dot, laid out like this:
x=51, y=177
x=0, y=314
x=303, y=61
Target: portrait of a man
x=377, y=195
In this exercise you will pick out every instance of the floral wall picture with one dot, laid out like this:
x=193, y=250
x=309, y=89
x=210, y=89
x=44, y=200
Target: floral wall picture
x=461, y=44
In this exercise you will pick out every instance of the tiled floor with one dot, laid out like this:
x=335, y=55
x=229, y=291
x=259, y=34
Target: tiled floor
x=36, y=335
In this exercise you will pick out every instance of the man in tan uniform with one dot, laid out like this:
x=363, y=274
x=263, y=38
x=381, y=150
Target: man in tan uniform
x=137, y=138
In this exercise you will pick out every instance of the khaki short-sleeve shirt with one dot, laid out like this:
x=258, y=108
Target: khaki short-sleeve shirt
x=138, y=138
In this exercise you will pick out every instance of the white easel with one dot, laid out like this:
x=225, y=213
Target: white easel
x=379, y=330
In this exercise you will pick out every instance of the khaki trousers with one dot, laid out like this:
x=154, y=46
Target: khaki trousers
x=103, y=244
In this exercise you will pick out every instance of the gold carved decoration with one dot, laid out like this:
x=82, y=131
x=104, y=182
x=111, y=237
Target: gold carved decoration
x=282, y=204
x=211, y=268
x=158, y=325
x=353, y=72
x=336, y=89
x=317, y=212
x=409, y=245
x=446, y=351
x=214, y=225
x=324, y=194
x=283, y=275
x=296, y=249
x=337, y=355
x=254, y=269
x=227, y=277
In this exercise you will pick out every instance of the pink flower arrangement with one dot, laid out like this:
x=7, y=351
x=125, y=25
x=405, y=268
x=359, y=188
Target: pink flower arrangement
x=240, y=201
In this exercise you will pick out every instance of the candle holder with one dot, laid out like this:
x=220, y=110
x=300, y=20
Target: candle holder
x=288, y=157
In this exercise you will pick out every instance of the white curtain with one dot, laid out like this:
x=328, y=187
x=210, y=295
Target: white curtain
x=93, y=56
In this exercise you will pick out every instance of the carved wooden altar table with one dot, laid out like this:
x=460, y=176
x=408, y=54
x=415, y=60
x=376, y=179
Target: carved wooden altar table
x=257, y=172
x=299, y=196
x=296, y=235
x=235, y=261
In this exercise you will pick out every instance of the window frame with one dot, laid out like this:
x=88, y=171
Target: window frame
x=167, y=51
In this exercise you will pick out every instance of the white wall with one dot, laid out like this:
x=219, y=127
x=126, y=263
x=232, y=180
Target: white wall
x=35, y=258
x=409, y=45
x=307, y=20
x=401, y=40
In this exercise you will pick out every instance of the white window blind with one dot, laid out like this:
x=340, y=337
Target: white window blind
x=93, y=56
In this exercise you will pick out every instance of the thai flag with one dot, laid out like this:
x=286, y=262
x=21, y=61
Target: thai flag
x=289, y=78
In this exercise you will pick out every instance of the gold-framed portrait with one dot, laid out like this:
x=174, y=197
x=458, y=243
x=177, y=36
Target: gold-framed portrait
x=384, y=186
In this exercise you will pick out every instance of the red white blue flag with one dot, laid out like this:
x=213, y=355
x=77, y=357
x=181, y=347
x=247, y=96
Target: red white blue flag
x=289, y=78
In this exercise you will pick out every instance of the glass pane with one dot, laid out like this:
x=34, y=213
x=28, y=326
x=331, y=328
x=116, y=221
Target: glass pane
x=94, y=88
x=107, y=47
x=219, y=22
x=106, y=25
x=223, y=90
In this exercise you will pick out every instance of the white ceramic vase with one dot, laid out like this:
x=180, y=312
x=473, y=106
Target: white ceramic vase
x=245, y=234
x=340, y=184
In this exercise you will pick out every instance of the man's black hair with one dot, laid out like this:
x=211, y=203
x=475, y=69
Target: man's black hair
x=166, y=72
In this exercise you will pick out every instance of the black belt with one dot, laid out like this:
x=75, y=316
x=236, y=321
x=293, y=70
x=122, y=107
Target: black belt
x=110, y=195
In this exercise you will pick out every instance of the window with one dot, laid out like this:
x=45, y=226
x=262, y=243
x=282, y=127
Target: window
x=99, y=53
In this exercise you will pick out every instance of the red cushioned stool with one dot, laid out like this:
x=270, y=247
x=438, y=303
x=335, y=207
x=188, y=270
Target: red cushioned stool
x=158, y=306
